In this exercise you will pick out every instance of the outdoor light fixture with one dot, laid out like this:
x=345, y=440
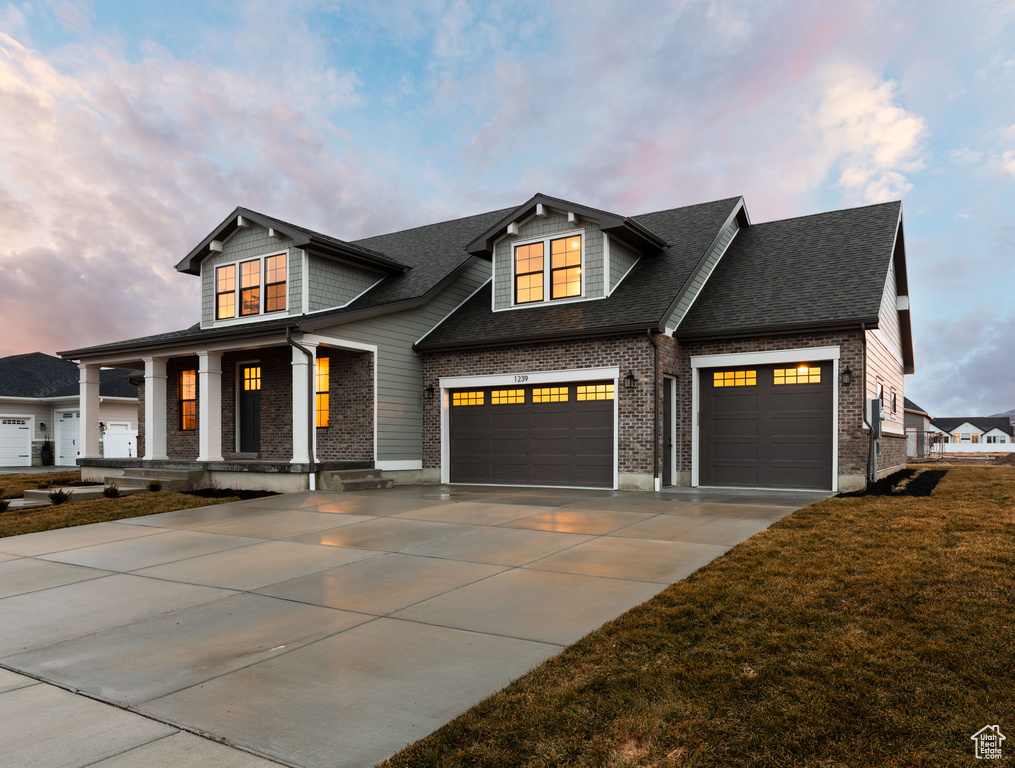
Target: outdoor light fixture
x=42, y=426
x=102, y=427
x=629, y=380
x=428, y=393
x=846, y=377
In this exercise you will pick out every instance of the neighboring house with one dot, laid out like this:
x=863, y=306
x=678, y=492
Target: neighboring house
x=976, y=434
x=39, y=401
x=918, y=432
x=552, y=344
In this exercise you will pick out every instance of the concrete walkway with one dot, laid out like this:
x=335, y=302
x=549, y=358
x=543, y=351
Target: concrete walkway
x=323, y=629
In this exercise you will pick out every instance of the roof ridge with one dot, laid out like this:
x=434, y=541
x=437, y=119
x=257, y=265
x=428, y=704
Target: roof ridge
x=499, y=211
x=828, y=213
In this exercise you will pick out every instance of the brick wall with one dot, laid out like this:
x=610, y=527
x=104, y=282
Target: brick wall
x=629, y=353
x=893, y=454
x=180, y=444
x=350, y=435
x=852, y=438
x=276, y=400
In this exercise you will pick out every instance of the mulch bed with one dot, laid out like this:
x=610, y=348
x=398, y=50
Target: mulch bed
x=229, y=493
x=907, y=482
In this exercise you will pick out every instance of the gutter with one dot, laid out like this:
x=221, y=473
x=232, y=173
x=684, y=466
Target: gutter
x=863, y=406
x=311, y=412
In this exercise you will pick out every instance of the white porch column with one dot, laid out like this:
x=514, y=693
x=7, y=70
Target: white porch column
x=89, y=390
x=209, y=394
x=155, y=408
x=303, y=404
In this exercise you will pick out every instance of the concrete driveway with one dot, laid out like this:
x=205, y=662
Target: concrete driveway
x=323, y=629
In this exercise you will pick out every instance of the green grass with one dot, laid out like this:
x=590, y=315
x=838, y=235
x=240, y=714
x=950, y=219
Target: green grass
x=857, y=632
x=16, y=522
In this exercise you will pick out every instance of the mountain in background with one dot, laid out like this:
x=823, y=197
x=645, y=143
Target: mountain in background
x=1010, y=414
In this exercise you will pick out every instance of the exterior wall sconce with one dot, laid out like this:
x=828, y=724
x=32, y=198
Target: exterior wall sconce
x=629, y=380
x=42, y=426
x=102, y=427
x=846, y=377
x=428, y=393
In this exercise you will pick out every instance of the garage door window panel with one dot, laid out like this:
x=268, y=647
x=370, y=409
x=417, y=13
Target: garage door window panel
x=550, y=395
x=803, y=374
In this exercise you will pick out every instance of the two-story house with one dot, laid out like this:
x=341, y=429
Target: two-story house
x=552, y=344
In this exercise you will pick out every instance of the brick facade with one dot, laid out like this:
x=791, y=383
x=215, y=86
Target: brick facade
x=350, y=436
x=641, y=414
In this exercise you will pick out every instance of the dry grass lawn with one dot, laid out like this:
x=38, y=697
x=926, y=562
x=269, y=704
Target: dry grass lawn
x=857, y=632
x=12, y=486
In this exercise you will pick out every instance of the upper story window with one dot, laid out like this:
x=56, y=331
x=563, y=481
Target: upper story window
x=251, y=294
x=548, y=269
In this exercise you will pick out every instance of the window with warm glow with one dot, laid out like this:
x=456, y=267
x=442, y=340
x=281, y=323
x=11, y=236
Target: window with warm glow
x=550, y=395
x=802, y=374
x=956, y=438
x=274, y=283
x=322, y=390
x=735, y=378
x=976, y=437
x=225, y=292
x=468, y=398
x=252, y=378
x=555, y=264
x=507, y=396
x=250, y=287
x=594, y=392
x=187, y=394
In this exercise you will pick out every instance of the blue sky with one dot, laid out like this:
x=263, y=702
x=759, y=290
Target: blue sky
x=131, y=129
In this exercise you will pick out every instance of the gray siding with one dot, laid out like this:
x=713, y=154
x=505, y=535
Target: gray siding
x=399, y=374
x=884, y=357
x=702, y=275
x=333, y=284
x=622, y=258
x=554, y=224
x=247, y=243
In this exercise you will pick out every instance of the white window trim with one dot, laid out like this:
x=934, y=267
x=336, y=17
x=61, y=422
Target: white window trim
x=261, y=314
x=525, y=378
x=545, y=240
x=803, y=354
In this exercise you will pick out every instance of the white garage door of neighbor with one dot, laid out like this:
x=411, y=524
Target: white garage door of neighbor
x=15, y=443
x=67, y=430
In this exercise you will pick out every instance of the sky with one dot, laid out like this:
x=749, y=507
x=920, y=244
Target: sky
x=130, y=129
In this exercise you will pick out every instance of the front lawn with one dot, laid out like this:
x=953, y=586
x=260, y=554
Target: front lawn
x=871, y=631
x=15, y=522
x=12, y=486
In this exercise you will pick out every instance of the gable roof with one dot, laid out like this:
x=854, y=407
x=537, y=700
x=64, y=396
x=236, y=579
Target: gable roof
x=983, y=423
x=37, y=375
x=623, y=228
x=304, y=238
x=642, y=300
x=826, y=270
x=909, y=405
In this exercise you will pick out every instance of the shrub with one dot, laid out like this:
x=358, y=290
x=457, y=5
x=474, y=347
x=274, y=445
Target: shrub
x=154, y=485
x=60, y=496
x=44, y=485
x=4, y=503
x=111, y=491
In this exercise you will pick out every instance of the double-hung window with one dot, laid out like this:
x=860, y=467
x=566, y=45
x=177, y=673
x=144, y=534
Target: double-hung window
x=322, y=391
x=548, y=269
x=259, y=287
x=187, y=395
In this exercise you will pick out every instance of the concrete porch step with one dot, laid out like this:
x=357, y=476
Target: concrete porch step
x=80, y=493
x=355, y=480
x=157, y=472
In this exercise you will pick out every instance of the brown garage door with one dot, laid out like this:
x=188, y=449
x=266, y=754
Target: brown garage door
x=767, y=426
x=545, y=434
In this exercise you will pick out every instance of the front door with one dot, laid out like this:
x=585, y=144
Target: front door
x=67, y=441
x=250, y=408
x=668, y=457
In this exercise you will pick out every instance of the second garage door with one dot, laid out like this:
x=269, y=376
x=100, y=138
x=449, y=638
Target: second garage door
x=15, y=443
x=556, y=434
x=767, y=426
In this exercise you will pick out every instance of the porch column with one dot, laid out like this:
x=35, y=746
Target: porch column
x=89, y=390
x=303, y=404
x=209, y=393
x=155, y=408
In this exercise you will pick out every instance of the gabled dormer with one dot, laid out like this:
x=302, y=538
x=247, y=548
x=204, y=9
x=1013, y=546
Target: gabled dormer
x=254, y=267
x=550, y=251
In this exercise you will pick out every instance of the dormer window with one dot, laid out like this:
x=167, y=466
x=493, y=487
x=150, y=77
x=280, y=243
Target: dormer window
x=249, y=293
x=548, y=269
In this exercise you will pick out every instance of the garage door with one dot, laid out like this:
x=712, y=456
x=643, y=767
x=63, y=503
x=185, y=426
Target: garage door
x=15, y=443
x=767, y=426
x=545, y=434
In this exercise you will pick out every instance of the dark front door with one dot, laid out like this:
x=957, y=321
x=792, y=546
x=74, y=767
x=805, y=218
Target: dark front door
x=544, y=434
x=767, y=426
x=250, y=409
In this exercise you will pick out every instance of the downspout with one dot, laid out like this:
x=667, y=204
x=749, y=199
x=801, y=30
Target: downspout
x=655, y=411
x=311, y=415
x=863, y=405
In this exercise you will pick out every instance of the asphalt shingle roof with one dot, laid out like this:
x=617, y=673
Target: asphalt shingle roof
x=983, y=423
x=641, y=300
x=909, y=405
x=825, y=269
x=37, y=375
